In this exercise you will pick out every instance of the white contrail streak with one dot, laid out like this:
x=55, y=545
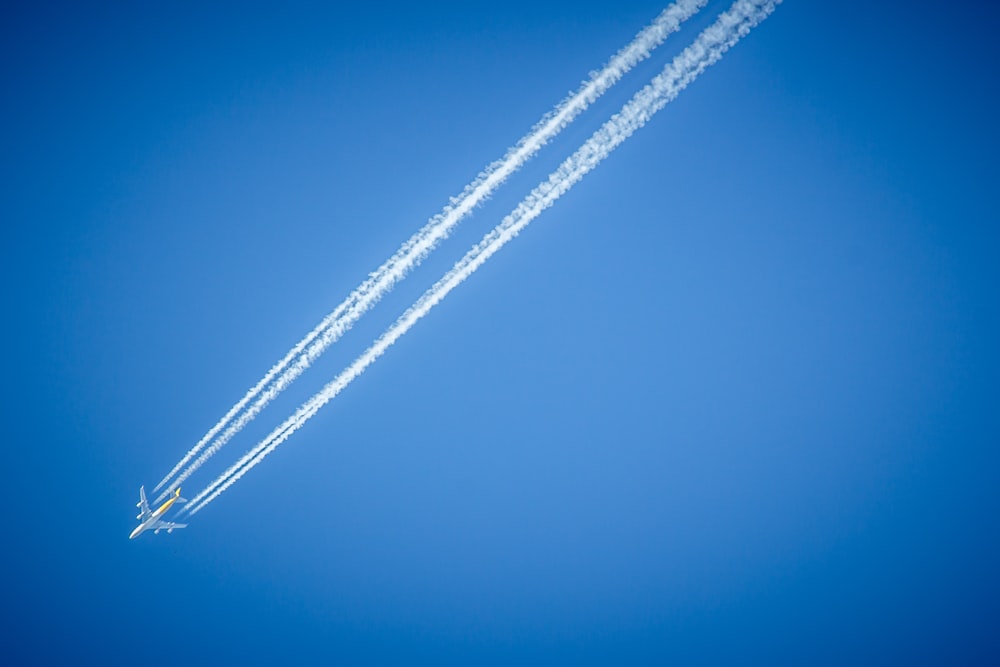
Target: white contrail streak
x=413, y=251
x=707, y=49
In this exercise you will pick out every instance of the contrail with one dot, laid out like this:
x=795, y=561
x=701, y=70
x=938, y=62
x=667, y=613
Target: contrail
x=707, y=49
x=414, y=250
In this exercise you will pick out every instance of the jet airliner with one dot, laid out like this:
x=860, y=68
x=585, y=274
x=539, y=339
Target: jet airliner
x=150, y=520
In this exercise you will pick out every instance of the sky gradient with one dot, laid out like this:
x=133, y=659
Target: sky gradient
x=733, y=399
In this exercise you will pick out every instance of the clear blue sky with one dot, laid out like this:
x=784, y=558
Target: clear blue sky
x=732, y=400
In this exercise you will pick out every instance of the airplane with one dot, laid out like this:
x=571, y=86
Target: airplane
x=151, y=520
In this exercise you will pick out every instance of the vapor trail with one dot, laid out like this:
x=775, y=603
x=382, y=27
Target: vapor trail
x=707, y=49
x=413, y=251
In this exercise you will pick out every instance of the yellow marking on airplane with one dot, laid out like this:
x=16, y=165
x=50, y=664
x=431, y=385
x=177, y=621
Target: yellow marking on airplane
x=165, y=506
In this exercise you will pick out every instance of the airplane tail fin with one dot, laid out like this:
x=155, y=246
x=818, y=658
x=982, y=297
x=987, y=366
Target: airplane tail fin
x=177, y=495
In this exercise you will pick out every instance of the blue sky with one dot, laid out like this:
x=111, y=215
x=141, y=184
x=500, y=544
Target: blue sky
x=731, y=400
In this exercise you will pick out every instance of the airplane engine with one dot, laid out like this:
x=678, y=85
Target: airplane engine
x=170, y=530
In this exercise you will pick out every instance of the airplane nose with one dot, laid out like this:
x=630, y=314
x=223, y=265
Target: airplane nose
x=134, y=533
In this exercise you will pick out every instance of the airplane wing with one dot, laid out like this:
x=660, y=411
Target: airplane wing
x=143, y=505
x=167, y=526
